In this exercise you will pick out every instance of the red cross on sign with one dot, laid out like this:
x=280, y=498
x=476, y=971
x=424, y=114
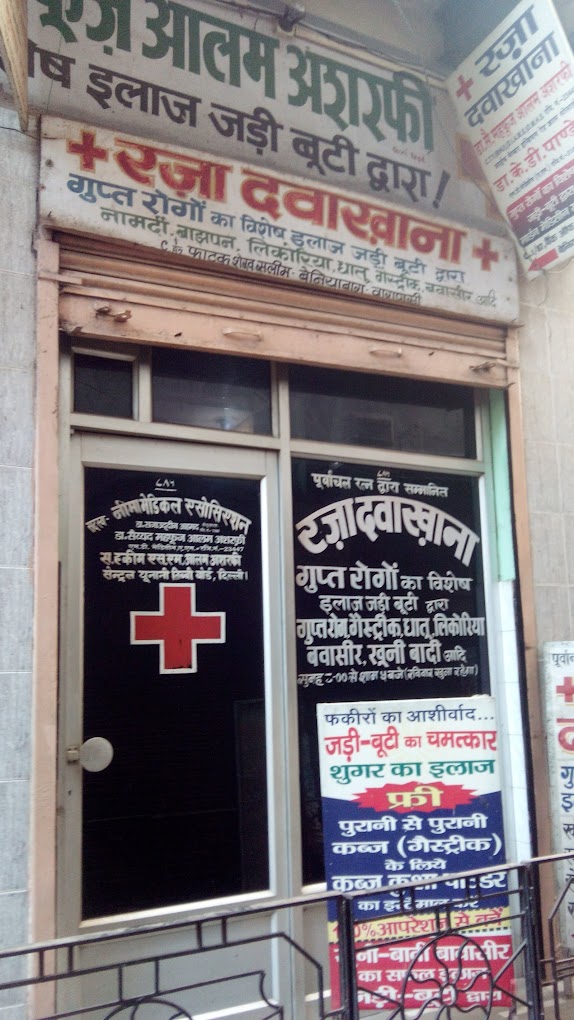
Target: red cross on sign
x=177, y=629
x=87, y=150
x=464, y=86
x=485, y=253
x=567, y=689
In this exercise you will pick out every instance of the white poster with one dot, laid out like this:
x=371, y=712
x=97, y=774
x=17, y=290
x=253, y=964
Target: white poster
x=411, y=790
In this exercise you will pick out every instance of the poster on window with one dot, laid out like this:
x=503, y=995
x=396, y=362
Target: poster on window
x=559, y=682
x=172, y=669
x=389, y=598
x=412, y=790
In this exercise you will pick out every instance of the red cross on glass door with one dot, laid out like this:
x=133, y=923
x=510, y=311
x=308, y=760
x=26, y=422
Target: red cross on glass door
x=177, y=629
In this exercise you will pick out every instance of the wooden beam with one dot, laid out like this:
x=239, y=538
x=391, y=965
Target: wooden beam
x=111, y=317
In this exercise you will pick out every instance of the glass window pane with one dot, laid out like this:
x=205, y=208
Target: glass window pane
x=103, y=386
x=375, y=411
x=211, y=391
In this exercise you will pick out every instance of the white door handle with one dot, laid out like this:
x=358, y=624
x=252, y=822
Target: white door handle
x=94, y=755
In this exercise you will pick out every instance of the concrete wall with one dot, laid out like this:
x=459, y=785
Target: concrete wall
x=18, y=186
x=547, y=360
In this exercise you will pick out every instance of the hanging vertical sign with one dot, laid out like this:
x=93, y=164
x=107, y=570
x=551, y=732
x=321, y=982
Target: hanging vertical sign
x=172, y=666
x=514, y=95
x=389, y=597
x=559, y=684
x=411, y=790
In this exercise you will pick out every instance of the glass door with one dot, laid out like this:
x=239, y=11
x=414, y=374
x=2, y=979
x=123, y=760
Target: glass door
x=169, y=768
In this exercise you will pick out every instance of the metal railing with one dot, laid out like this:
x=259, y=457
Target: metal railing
x=557, y=968
x=393, y=949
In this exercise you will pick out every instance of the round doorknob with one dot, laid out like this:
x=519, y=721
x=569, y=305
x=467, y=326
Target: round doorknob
x=96, y=754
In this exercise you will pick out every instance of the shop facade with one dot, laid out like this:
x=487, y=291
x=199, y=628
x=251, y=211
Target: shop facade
x=318, y=473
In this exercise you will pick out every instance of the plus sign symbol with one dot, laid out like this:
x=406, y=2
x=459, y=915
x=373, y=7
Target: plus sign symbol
x=485, y=253
x=176, y=628
x=566, y=689
x=464, y=87
x=88, y=151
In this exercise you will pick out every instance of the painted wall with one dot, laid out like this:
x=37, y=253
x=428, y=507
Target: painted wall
x=18, y=177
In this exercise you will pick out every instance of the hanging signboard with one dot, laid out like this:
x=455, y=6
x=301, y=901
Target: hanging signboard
x=389, y=598
x=171, y=667
x=559, y=682
x=242, y=217
x=515, y=96
x=411, y=789
x=224, y=79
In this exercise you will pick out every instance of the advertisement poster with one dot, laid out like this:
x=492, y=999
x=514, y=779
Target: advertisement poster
x=558, y=665
x=515, y=99
x=172, y=669
x=243, y=217
x=411, y=790
x=389, y=597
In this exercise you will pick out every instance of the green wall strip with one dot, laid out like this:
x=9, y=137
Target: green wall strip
x=503, y=540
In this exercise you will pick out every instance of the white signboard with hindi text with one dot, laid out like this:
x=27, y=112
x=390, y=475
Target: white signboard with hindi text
x=234, y=215
x=559, y=685
x=223, y=78
x=515, y=96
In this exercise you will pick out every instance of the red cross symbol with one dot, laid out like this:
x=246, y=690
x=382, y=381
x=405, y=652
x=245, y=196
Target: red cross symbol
x=464, y=87
x=177, y=629
x=87, y=150
x=567, y=689
x=485, y=254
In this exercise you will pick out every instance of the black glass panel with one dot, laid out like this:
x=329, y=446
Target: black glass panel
x=389, y=597
x=103, y=386
x=174, y=679
x=375, y=411
x=211, y=391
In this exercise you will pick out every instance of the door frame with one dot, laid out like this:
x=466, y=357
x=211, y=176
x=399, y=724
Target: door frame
x=138, y=454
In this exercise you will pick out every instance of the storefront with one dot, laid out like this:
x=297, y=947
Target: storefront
x=278, y=465
x=253, y=524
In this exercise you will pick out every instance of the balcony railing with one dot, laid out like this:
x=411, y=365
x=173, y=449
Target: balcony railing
x=401, y=954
